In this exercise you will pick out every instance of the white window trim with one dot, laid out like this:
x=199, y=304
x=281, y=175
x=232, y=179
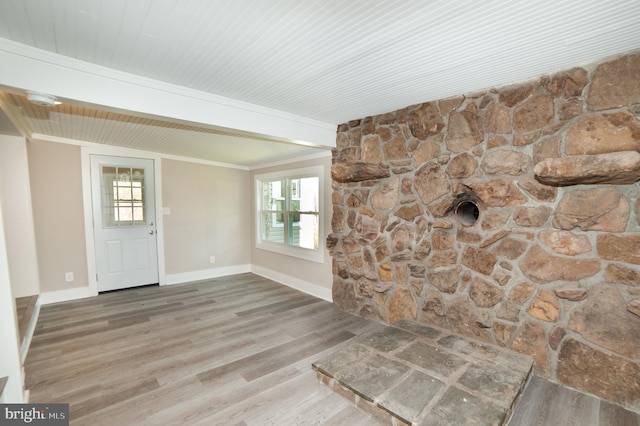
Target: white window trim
x=299, y=252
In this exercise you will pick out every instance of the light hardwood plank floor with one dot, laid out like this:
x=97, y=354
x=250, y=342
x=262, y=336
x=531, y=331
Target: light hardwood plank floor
x=230, y=351
x=235, y=350
x=545, y=403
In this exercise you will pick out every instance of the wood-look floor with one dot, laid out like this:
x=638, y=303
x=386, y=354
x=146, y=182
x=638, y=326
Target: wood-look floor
x=231, y=351
x=545, y=403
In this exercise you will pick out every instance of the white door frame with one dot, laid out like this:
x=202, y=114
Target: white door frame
x=127, y=256
x=85, y=159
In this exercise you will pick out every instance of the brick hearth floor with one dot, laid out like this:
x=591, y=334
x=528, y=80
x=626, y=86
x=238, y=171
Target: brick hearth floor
x=414, y=374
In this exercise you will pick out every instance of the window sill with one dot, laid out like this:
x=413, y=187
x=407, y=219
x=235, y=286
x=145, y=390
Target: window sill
x=301, y=253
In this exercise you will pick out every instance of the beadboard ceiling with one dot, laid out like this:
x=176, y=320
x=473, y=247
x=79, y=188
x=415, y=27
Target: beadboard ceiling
x=325, y=62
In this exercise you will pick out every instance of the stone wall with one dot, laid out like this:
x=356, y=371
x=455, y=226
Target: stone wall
x=548, y=264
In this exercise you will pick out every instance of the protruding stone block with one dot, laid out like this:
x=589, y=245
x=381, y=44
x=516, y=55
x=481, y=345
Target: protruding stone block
x=618, y=168
x=358, y=172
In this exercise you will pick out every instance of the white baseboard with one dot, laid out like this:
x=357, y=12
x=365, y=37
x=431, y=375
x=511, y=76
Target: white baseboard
x=203, y=275
x=295, y=283
x=206, y=274
x=66, y=295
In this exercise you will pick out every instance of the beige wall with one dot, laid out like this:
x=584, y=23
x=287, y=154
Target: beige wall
x=312, y=272
x=56, y=192
x=209, y=216
x=17, y=216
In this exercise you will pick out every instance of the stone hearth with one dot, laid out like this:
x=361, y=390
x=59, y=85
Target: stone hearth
x=509, y=216
x=413, y=374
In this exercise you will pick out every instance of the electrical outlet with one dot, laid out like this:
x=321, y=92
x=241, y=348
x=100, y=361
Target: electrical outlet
x=212, y=259
x=68, y=276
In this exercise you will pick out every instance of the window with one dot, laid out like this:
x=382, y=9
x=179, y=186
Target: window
x=123, y=196
x=289, y=220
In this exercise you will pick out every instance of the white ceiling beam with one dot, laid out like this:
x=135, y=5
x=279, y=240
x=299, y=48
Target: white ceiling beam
x=28, y=68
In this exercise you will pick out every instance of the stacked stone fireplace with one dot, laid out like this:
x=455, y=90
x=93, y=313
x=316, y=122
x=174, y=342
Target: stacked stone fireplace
x=510, y=216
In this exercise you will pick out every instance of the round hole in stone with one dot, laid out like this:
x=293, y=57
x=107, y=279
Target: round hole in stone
x=467, y=213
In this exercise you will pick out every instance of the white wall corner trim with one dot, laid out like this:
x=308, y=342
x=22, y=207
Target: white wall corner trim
x=26, y=342
x=206, y=274
x=50, y=297
x=23, y=67
x=295, y=283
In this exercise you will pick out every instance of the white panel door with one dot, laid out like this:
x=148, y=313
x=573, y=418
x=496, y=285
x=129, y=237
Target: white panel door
x=123, y=201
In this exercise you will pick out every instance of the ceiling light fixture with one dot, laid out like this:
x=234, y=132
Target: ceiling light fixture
x=42, y=99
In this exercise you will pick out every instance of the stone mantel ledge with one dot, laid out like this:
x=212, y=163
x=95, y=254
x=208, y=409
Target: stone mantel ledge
x=611, y=168
x=359, y=171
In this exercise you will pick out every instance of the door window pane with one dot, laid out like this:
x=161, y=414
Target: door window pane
x=122, y=196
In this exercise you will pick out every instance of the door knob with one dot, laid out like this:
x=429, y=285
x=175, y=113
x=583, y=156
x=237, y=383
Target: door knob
x=151, y=232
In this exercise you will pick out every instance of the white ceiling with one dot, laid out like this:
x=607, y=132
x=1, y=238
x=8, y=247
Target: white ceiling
x=319, y=63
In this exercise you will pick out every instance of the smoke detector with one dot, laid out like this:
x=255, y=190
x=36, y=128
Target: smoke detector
x=42, y=99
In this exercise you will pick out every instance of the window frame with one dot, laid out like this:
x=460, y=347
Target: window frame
x=111, y=185
x=315, y=255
